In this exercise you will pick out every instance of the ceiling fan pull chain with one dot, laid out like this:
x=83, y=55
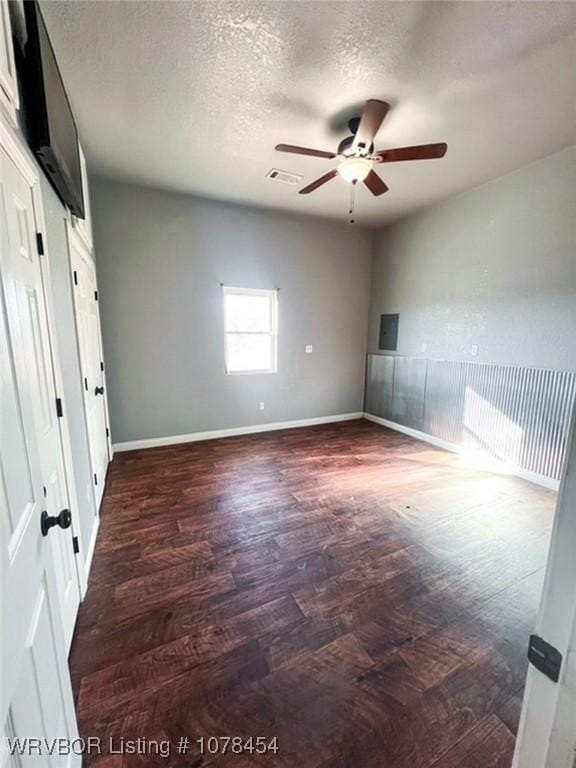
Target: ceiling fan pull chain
x=352, y=201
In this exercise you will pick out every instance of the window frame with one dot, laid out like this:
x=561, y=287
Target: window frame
x=269, y=293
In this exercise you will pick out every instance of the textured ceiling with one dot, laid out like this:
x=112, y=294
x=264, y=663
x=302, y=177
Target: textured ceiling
x=193, y=96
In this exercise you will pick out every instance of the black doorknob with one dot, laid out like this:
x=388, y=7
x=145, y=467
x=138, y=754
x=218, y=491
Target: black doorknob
x=64, y=520
x=99, y=391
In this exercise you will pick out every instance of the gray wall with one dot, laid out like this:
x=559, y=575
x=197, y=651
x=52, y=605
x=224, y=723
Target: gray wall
x=161, y=258
x=493, y=267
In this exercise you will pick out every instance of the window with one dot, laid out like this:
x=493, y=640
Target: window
x=251, y=330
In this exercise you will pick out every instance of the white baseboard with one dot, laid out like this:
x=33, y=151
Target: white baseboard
x=156, y=442
x=495, y=465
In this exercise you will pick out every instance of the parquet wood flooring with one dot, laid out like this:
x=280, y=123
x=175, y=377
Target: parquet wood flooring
x=359, y=595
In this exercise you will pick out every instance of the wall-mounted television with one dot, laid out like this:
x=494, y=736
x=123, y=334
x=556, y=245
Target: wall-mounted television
x=50, y=127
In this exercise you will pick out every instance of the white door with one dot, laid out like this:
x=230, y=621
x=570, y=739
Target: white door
x=91, y=361
x=22, y=274
x=38, y=602
x=547, y=731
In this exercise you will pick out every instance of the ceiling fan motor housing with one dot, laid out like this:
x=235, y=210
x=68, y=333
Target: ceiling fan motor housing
x=345, y=148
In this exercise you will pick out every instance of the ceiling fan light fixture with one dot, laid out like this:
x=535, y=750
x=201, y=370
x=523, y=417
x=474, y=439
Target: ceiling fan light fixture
x=354, y=169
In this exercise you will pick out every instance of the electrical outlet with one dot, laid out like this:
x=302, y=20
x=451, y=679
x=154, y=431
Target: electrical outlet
x=260, y=406
x=308, y=349
x=474, y=350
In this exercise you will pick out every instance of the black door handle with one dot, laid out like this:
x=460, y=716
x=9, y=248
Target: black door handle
x=64, y=520
x=99, y=391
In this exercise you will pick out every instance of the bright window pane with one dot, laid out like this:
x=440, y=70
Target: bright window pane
x=250, y=322
x=248, y=313
x=249, y=352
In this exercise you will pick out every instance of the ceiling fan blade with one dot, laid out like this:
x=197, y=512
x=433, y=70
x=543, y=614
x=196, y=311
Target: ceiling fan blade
x=421, y=152
x=318, y=183
x=370, y=122
x=304, y=151
x=375, y=184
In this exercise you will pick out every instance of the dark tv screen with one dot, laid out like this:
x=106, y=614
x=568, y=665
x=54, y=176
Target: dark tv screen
x=50, y=123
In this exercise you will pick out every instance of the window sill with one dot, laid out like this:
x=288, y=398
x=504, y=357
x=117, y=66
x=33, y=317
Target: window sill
x=250, y=373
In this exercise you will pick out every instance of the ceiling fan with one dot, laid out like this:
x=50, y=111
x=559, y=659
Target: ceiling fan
x=357, y=155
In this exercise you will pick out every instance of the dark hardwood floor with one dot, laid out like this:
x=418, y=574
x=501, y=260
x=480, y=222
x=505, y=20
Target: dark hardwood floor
x=357, y=594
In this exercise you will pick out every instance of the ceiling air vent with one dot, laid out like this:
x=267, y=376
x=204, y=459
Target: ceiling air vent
x=284, y=176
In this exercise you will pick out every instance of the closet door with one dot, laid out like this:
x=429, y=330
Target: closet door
x=91, y=361
x=38, y=580
x=22, y=278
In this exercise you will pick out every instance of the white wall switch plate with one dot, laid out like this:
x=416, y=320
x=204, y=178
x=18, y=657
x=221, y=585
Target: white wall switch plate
x=474, y=350
x=260, y=406
x=309, y=349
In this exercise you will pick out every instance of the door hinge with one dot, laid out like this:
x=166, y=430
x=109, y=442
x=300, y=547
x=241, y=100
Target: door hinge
x=95, y=295
x=545, y=657
x=95, y=479
x=59, y=411
x=75, y=545
x=107, y=432
x=40, y=243
x=75, y=276
x=85, y=383
x=101, y=366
